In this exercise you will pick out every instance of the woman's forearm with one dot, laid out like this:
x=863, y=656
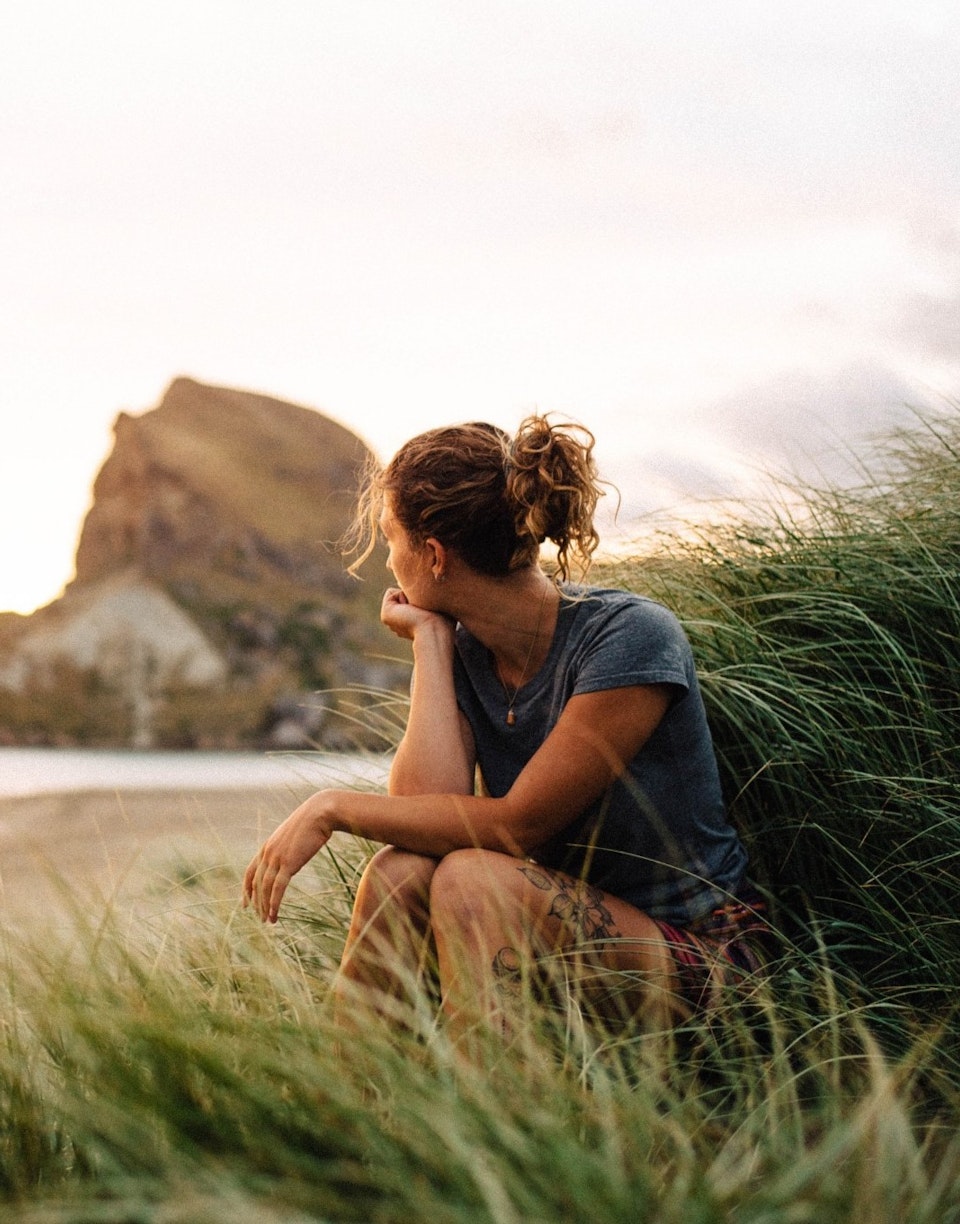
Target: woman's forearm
x=426, y=824
x=432, y=824
x=432, y=757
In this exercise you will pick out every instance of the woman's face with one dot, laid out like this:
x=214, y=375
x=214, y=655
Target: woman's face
x=408, y=562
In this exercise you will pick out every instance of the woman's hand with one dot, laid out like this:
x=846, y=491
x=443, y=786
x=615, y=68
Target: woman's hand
x=294, y=843
x=404, y=618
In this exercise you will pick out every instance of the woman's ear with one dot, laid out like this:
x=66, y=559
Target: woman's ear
x=438, y=558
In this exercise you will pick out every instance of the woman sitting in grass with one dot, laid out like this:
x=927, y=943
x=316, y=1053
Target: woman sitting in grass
x=554, y=810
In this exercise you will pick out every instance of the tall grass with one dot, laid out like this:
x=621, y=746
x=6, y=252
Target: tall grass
x=186, y=1068
x=191, y=1072
x=828, y=642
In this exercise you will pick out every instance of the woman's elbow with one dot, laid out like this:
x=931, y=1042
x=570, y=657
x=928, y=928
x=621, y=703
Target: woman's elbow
x=516, y=831
x=406, y=782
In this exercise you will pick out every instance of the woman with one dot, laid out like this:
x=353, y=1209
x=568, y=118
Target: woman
x=597, y=838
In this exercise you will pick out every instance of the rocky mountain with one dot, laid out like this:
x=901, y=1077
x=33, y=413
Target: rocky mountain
x=211, y=604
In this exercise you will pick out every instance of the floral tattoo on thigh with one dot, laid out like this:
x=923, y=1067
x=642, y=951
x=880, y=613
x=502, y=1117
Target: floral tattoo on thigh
x=575, y=902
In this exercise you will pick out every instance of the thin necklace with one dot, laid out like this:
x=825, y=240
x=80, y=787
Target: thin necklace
x=511, y=701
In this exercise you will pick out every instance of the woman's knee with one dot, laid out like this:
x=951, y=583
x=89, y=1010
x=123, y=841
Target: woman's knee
x=469, y=878
x=395, y=877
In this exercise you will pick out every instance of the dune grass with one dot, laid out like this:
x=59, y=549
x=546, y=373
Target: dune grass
x=828, y=643
x=186, y=1069
x=191, y=1072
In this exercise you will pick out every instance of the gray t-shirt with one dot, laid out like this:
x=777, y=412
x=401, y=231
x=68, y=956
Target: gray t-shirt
x=659, y=838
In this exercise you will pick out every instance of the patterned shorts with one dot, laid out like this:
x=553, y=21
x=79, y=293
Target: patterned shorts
x=726, y=946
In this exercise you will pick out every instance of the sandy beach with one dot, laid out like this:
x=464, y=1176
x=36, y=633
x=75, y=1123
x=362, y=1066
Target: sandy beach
x=96, y=848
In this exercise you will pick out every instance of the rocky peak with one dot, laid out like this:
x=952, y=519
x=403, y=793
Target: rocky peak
x=210, y=596
x=219, y=482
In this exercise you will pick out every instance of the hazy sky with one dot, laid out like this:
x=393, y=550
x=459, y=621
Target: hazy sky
x=725, y=236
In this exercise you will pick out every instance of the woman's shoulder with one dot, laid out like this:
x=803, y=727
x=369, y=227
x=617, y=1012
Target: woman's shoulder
x=603, y=602
x=604, y=614
x=616, y=633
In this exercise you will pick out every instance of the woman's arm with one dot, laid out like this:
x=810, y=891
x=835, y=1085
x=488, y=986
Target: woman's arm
x=436, y=754
x=595, y=737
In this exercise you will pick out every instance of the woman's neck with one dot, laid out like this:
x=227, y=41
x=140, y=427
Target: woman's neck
x=515, y=618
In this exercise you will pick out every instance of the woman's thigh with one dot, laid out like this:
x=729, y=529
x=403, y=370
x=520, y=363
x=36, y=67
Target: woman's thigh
x=573, y=931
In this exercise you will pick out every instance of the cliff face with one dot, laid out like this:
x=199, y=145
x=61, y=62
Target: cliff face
x=225, y=486
x=210, y=600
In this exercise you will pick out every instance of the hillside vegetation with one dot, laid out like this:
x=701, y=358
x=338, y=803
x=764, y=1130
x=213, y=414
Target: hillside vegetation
x=188, y=1070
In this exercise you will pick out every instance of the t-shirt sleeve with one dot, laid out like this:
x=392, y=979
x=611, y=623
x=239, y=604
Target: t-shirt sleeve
x=639, y=642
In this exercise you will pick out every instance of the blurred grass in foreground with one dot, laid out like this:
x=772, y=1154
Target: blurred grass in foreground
x=193, y=1074
x=185, y=1069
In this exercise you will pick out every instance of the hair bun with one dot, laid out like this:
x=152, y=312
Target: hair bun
x=552, y=482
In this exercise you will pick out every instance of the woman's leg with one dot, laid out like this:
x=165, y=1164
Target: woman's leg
x=388, y=952
x=497, y=919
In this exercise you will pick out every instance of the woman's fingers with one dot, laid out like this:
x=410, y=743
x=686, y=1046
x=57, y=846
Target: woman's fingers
x=263, y=887
x=268, y=883
x=246, y=894
x=278, y=860
x=278, y=886
x=252, y=882
x=401, y=616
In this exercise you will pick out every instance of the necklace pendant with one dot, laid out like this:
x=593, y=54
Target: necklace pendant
x=511, y=718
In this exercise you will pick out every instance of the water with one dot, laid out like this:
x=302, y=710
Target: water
x=36, y=771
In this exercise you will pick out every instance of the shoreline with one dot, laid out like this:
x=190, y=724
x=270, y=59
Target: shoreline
x=29, y=771
x=85, y=850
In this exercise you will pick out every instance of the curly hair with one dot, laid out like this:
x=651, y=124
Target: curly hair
x=491, y=498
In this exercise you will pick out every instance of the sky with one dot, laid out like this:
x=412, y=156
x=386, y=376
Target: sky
x=726, y=237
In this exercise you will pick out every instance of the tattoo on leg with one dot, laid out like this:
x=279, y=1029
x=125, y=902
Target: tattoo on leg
x=576, y=903
x=506, y=971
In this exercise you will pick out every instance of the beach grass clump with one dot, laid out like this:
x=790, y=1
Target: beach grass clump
x=827, y=634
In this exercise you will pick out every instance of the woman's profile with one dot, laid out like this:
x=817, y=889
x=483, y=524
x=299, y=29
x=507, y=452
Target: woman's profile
x=555, y=797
